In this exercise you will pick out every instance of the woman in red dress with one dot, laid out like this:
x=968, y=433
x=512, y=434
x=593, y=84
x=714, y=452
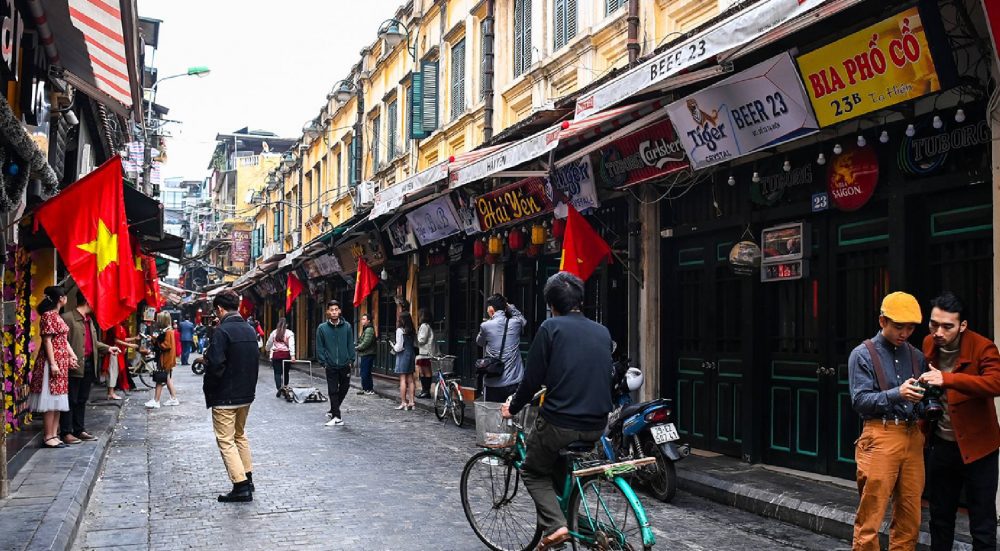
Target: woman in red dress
x=116, y=374
x=50, y=374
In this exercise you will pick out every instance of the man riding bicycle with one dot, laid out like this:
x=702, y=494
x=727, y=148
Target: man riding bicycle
x=571, y=356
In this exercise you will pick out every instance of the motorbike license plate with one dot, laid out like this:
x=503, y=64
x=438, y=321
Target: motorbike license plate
x=664, y=433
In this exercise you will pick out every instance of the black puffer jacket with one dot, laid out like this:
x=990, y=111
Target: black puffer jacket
x=231, y=363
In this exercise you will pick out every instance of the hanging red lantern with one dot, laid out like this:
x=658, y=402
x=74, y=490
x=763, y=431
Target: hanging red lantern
x=479, y=248
x=558, y=228
x=516, y=239
x=534, y=250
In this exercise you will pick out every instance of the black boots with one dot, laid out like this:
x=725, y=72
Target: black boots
x=241, y=493
x=250, y=480
x=425, y=387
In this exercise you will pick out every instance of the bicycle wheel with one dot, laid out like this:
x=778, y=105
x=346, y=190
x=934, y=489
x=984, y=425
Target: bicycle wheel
x=146, y=374
x=440, y=401
x=604, y=517
x=457, y=404
x=497, y=504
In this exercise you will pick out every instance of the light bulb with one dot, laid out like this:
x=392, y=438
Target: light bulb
x=756, y=177
x=837, y=150
x=960, y=115
x=862, y=141
x=821, y=160
x=910, y=131
x=884, y=137
x=731, y=181
x=787, y=167
x=937, y=122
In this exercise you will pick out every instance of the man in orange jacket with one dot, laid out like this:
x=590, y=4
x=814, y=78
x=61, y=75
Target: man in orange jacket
x=963, y=443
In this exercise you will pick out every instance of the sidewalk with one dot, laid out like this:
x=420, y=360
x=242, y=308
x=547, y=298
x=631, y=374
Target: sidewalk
x=50, y=491
x=822, y=504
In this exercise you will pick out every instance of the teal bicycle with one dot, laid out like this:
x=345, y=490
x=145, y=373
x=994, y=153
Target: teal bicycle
x=602, y=510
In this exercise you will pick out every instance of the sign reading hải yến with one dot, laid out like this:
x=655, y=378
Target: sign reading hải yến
x=517, y=202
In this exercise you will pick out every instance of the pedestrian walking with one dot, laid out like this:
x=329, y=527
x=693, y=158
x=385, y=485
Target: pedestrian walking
x=87, y=347
x=336, y=353
x=186, y=328
x=50, y=374
x=280, y=348
x=425, y=352
x=963, y=442
x=883, y=374
x=500, y=337
x=405, y=349
x=367, y=342
x=231, y=366
x=571, y=357
x=166, y=345
x=113, y=370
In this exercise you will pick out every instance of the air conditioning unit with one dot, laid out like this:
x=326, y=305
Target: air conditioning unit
x=296, y=239
x=366, y=194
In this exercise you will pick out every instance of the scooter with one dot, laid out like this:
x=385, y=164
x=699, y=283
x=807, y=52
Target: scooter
x=642, y=430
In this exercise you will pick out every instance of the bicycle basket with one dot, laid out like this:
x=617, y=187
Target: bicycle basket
x=445, y=363
x=492, y=430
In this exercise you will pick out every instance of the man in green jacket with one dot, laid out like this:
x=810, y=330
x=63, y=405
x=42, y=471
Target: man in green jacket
x=336, y=353
x=87, y=346
x=366, y=356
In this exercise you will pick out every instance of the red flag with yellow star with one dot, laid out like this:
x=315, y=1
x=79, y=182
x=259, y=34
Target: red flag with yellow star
x=87, y=224
x=583, y=249
x=152, y=283
x=366, y=283
x=292, y=291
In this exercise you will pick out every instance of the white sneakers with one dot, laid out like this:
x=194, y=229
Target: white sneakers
x=172, y=402
x=335, y=422
x=152, y=404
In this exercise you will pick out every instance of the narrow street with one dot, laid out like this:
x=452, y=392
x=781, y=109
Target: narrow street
x=385, y=480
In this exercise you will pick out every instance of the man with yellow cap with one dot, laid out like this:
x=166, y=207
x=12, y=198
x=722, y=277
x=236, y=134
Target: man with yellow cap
x=883, y=375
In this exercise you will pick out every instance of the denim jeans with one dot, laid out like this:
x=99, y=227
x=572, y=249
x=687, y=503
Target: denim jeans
x=186, y=348
x=280, y=373
x=367, y=362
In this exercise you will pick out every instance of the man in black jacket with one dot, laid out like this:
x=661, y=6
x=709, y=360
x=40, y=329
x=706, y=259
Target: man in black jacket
x=571, y=356
x=231, y=366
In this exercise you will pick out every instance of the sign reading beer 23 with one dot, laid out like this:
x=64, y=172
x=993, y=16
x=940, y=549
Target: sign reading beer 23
x=887, y=63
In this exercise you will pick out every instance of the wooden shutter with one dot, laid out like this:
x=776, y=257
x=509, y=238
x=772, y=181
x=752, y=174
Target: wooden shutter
x=391, y=123
x=613, y=5
x=482, y=61
x=518, y=36
x=526, y=44
x=570, y=19
x=415, y=97
x=429, y=70
x=559, y=24
x=458, y=79
x=376, y=142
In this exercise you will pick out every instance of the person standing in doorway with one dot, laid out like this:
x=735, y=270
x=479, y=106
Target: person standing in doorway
x=962, y=452
x=186, y=329
x=502, y=329
x=87, y=347
x=50, y=374
x=883, y=374
x=336, y=353
x=425, y=352
x=231, y=366
x=281, y=349
x=165, y=343
x=366, y=355
x=405, y=349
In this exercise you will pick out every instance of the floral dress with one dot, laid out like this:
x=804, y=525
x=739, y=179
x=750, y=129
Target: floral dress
x=51, y=392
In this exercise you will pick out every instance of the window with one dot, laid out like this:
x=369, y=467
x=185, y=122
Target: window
x=483, y=46
x=565, y=22
x=611, y=6
x=279, y=222
x=391, y=128
x=522, y=36
x=408, y=108
x=376, y=142
x=352, y=161
x=340, y=170
x=457, y=79
x=424, y=100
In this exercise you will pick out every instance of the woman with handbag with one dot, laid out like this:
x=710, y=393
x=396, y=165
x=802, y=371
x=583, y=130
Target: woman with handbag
x=166, y=344
x=405, y=349
x=280, y=347
x=50, y=374
x=500, y=337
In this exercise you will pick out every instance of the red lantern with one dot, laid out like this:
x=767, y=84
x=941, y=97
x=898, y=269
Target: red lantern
x=558, y=228
x=479, y=248
x=534, y=250
x=516, y=239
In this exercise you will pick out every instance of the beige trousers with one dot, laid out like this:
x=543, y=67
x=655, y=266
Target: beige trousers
x=232, y=440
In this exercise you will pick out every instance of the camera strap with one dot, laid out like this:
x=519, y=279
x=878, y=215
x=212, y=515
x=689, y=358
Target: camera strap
x=880, y=374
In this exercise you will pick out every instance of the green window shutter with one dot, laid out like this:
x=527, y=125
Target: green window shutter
x=391, y=123
x=559, y=24
x=376, y=142
x=457, y=79
x=415, y=98
x=429, y=70
x=526, y=44
x=482, y=62
x=351, y=164
x=518, y=36
x=570, y=19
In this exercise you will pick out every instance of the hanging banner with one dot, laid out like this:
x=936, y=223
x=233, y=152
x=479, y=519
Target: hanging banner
x=755, y=109
x=367, y=246
x=852, y=177
x=401, y=239
x=508, y=157
x=575, y=183
x=326, y=264
x=465, y=208
x=511, y=204
x=650, y=153
x=390, y=198
x=434, y=221
x=241, y=246
x=887, y=63
x=742, y=28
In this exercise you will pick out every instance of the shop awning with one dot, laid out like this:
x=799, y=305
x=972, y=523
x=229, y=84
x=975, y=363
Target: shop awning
x=170, y=245
x=93, y=41
x=145, y=214
x=760, y=24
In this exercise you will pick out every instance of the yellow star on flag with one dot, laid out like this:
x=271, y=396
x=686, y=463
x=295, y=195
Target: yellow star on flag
x=105, y=246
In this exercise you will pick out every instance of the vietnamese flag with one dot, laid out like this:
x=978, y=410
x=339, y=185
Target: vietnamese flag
x=246, y=307
x=367, y=281
x=152, y=283
x=292, y=290
x=87, y=224
x=583, y=249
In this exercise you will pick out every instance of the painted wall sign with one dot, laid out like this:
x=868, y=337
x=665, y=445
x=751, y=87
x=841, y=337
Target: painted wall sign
x=927, y=151
x=241, y=246
x=650, y=153
x=401, y=238
x=771, y=187
x=517, y=202
x=852, y=177
x=887, y=63
x=434, y=221
x=574, y=182
x=757, y=108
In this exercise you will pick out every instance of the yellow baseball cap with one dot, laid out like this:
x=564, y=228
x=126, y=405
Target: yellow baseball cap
x=901, y=307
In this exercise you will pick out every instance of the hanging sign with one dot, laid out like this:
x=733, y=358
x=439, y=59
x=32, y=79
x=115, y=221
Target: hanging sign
x=465, y=209
x=575, y=183
x=390, y=198
x=645, y=155
x=511, y=204
x=508, y=157
x=757, y=108
x=401, y=238
x=327, y=264
x=367, y=246
x=852, y=177
x=887, y=63
x=771, y=187
x=241, y=246
x=434, y=221
x=926, y=152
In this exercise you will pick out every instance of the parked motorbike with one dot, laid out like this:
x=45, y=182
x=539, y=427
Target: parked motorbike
x=643, y=430
x=198, y=366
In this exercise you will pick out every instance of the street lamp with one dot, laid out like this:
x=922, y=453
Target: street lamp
x=343, y=91
x=393, y=31
x=196, y=71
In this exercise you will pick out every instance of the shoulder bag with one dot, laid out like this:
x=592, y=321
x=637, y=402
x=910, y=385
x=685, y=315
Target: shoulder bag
x=490, y=366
